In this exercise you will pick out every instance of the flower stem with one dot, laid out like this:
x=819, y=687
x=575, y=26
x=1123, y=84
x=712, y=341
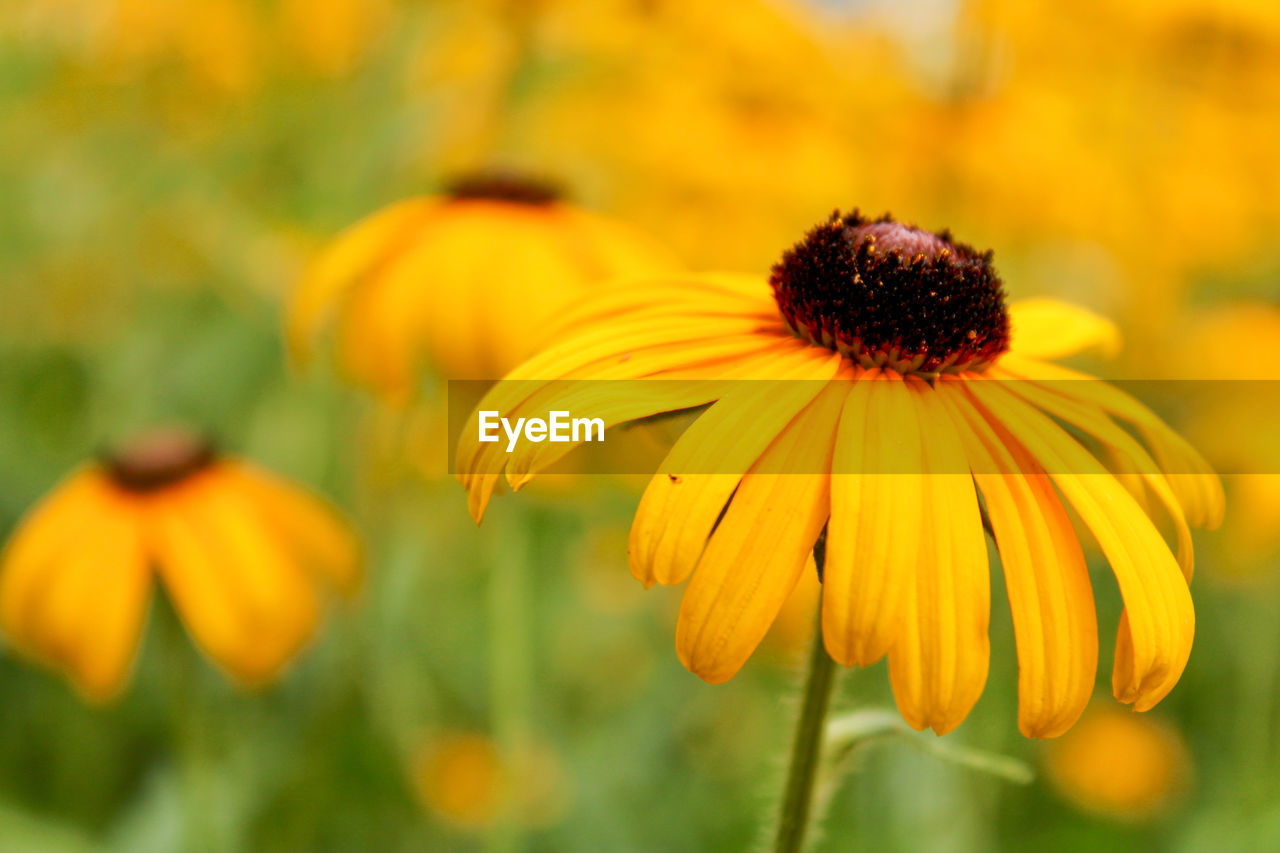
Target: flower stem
x=509, y=659
x=806, y=750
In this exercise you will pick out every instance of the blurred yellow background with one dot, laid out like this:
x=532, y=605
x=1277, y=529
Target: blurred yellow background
x=169, y=170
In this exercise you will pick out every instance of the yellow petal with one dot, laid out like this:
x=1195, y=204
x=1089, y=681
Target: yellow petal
x=1047, y=579
x=308, y=526
x=495, y=275
x=344, y=263
x=758, y=550
x=42, y=537
x=585, y=356
x=247, y=604
x=1079, y=413
x=700, y=296
x=874, y=535
x=612, y=247
x=680, y=506
x=615, y=401
x=1155, y=639
x=88, y=613
x=1193, y=480
x=380, y=340
x=938, y=664
x=1047, y=328
x=606, y=353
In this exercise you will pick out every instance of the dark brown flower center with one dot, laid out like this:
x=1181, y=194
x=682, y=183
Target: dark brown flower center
x=501, y=186
x=891, y=295
x=158, y=458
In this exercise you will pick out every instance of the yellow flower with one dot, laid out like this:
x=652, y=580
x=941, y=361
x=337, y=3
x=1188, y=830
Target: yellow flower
x=896, y=340
x=461, y=778
x=1120, y=765
x=464, y=778
x=465, y=282
x=241, y=555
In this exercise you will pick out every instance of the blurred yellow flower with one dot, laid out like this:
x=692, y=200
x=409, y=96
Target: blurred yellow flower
x=460, y=777
x=465, y=282
x=215, y=43
x=241, y=554
x=1120, y=764
x=330, y=38
x=464, y=778
x=893, y=340
x=769, y=115
x=461, y=66
x=1145, y=128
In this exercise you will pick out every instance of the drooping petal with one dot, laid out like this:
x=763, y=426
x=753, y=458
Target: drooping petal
x=1155, y=638
x=709, y=367
x=680, y=508
x=1047, y=579
x=1134, y=457
x=245, y=600
x=756, y=554
x=1192, y=478
x=42, y=538
x=119, y=598
x=599, y=353
x=345, y=263
x=88, y=611
x=1047, y=328
x=377, y=338
x=874, y=535
x=939, y=660
x=305, y=524
x=536, y=274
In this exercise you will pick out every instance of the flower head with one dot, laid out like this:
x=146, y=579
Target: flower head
x=892, y=295
x=241, y=554
x=464, y=282
x=886, y=343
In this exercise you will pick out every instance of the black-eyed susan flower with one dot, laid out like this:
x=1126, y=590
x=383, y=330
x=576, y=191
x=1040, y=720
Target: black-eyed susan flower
x=242, y=555
x=464, y=282
x=1120, y=765
x=897, y=339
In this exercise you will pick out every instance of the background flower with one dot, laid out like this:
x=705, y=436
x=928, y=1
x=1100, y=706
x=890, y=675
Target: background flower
x=166, y=184
x=240, y=553
x=1121, y=765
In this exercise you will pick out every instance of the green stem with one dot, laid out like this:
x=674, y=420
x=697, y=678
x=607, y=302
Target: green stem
x=509, y=660
x=806, y=751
